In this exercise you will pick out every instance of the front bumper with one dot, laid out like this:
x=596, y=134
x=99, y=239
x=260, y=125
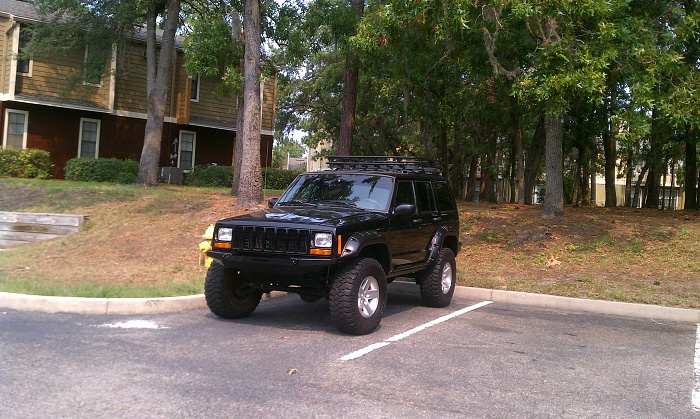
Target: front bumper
x=266, y=266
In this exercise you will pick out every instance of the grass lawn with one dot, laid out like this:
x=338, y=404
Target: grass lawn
x=143, y=242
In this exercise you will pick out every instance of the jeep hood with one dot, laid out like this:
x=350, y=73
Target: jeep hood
x=333, y=217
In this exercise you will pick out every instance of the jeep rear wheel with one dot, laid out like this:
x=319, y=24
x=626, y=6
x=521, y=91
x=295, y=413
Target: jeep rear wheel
x=437, y=282
x=227, y=293
x=358, y=297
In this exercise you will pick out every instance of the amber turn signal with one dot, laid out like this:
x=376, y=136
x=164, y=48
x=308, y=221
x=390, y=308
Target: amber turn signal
x=320, y=252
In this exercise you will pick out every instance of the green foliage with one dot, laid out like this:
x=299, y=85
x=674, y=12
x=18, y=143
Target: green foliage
x=102, y=170
x=25, y=163
x=278, y=178
x=221, y=176
x=210, y=175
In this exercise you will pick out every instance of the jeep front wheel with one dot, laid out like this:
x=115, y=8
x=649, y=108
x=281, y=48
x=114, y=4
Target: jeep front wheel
x=227, y=293
x=437, y=282
x=358, y=297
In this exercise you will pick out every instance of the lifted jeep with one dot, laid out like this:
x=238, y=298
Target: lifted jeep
x=342, y=234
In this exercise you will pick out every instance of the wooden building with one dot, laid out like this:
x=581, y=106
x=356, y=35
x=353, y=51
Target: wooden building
x=106, y=117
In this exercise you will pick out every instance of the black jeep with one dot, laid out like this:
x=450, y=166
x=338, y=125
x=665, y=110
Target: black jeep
x=342, y=234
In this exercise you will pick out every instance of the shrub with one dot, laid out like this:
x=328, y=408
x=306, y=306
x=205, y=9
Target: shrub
x=221, y=176
x=210, y=175
x=102, y=170
x=25, y=163
x=278, y=178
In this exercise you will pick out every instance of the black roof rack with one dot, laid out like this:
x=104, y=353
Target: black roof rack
x=401, y=164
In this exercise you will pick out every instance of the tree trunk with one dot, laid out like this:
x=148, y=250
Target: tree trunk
x=250, y=189
x=238, y=146
x=457, y=178
x=691, y=171
x=520, y=166
x=471, y=179
x=577, y=179
x=237, y=37
x=157, y=77
x=534, y=158
x=653, y=186
x=585, y=176
x=610, y=148
x=628, y=178
x=554, y=185
x=350, y=84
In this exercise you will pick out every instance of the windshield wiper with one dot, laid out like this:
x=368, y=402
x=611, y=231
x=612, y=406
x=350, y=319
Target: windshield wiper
x=338, y=203
x=297, y=202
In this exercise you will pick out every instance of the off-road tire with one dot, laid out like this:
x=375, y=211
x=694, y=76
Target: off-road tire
x=360, y=284
x=437, y=282
x=227, y=293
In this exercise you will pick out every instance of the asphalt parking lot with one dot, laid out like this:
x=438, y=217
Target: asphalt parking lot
x=472, y=359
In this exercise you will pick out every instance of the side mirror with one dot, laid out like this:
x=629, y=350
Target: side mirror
x=272, y=202
x=405, y=209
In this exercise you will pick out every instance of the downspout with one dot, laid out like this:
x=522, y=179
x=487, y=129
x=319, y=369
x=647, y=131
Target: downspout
x=13, y=61
x=112, y=79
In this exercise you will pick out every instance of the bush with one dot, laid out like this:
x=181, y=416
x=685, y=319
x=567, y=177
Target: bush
x=25, y=163
x=102, y=170
x=278, y=178
x=221, y=176
x=210, y=175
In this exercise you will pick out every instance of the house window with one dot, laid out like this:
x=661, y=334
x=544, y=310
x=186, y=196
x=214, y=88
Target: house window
x=15, y=129
x=89, y=143
x=94, y=67
x=188, y=141
x=194, y=89
x=24, y=64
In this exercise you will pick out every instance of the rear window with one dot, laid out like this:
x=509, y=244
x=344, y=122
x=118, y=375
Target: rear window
x=444, y=197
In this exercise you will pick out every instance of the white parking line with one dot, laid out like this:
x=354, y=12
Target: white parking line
x=696, y=387
x=396, y=338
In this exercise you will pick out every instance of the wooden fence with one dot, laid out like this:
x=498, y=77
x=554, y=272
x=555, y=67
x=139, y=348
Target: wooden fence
x=26, y=227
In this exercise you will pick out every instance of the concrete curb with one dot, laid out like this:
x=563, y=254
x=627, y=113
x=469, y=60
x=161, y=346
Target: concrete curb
x=581, y=304
x=22, y=302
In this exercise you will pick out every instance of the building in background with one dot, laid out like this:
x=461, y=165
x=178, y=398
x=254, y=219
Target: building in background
x=106, y=117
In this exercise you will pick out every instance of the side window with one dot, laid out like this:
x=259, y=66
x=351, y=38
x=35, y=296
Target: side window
x=444, y=197
x=15, y=129
x=24, y=64
x=424, y=197
x=89, y=143
x=404, y=193
x=188, y=141
x=194, y=89
x=94, y=67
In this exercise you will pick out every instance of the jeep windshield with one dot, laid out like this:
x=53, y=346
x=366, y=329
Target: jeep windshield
x=368, y=192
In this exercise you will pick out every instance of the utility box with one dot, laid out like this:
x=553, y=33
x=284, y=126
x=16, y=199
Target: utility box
x=170, y=175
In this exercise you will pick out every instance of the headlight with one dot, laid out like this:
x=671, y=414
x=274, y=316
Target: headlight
x=324, y=240
x=224, y=234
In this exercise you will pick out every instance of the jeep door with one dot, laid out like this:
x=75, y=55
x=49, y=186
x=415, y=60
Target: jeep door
x=408, y=235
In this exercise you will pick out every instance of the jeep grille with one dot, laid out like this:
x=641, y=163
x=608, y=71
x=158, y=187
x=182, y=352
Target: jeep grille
x=270, y=239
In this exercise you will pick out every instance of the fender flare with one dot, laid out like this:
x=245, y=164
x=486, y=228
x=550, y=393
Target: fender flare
x=357, y=241
x=437, y=241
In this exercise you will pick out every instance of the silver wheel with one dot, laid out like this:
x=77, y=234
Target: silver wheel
x=368, y=297
x=446, y=278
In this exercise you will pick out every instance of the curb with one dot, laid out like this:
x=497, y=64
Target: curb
x=78, y=305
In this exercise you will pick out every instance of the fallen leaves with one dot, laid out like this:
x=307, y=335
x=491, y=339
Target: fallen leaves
x=552, y=261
